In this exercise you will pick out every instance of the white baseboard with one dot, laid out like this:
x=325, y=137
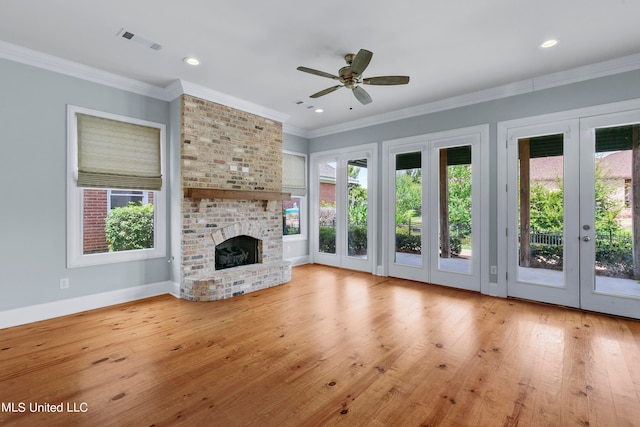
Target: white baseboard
x=301, y=260
x=35, y=313
x=494, y=291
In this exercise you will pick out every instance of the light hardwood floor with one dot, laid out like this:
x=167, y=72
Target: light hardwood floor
x=332, y=347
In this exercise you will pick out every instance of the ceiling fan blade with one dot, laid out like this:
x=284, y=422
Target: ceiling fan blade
x=318, y=73
x=362, y=95
x=386, y=80
x=361, y=61
x=324, y=92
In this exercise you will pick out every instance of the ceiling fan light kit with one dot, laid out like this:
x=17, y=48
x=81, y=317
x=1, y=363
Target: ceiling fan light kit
x=350, y=76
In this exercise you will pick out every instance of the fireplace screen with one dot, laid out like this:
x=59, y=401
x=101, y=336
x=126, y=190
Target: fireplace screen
x=240, y=250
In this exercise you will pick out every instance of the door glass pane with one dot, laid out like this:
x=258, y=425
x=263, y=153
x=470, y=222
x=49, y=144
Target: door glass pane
x=454, y=213
x=408, y=212
x=617, y=223
x=327, y=213
x=541, y=210
x=357, y=208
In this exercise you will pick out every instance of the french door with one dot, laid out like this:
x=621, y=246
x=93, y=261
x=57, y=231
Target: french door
x=344, y=205
x=572, y=228
x=432, y=208
x=610, y=213
x=543, y=205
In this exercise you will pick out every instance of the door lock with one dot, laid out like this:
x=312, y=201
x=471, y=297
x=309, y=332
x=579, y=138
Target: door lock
x=586, y=239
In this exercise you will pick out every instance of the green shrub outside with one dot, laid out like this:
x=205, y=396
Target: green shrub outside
x=615, y=258
x=408, y=243
x=130, y=227
x=357, y=240
x=327, y=240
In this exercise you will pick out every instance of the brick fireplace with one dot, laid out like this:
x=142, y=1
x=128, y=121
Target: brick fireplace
x=239, y=154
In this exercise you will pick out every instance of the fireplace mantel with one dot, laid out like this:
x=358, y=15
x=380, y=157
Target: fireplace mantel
x=214, y=193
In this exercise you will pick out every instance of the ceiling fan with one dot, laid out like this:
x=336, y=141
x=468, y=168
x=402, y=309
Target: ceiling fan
x=351, y=77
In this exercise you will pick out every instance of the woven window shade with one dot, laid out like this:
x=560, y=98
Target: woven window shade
x=294, y=179
x=115, y=154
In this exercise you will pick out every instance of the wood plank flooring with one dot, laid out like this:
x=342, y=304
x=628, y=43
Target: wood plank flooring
x=331, y=348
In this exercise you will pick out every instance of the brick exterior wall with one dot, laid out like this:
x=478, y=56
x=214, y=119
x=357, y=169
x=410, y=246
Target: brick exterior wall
x=328, y=193
x=94, y=212
x=216, y=138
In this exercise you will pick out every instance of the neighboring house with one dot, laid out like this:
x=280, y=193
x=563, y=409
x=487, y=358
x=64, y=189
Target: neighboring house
x=615, y=167
x=327, y=179
x=327, y=174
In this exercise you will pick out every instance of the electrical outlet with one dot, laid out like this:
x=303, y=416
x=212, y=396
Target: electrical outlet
x=493, y=270
x=64, y=283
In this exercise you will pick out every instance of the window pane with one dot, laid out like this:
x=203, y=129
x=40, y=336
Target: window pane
x=291, y=216
x=327, y=214
x=617, y=223
x=455, y=209
x=117, y=220
x=541, y=209
x=121, y=198
x=357, y=200
x=408, y=209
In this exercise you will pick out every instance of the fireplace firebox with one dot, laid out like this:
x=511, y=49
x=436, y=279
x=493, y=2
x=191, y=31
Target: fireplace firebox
x=239, y=250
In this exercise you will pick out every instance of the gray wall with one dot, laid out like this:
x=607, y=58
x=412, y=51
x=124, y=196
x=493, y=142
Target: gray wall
x=621, y=87
x=33, y=156
x=295, y=143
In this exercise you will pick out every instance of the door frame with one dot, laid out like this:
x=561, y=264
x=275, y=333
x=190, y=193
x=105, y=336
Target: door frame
x=340, y=258
x=590, y=297
x=502, y=179
x=568, y=293
x=433, y=141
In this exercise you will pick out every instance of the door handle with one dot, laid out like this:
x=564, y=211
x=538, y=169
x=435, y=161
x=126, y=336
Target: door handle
x=586, y=239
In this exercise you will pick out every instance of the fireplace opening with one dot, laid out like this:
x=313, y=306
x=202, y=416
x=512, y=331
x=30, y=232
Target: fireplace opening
x=240, y=250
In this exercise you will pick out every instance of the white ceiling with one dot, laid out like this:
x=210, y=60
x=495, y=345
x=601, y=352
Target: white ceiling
x=249, y=49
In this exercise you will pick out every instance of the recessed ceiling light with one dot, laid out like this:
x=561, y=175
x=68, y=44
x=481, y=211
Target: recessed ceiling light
x=549, y=43
x=191, y=60
x=319, y=110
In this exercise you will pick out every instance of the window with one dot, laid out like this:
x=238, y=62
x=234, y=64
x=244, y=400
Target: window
x=291, y=210
x=294, y=181
x=115, y=188
x=122, y=198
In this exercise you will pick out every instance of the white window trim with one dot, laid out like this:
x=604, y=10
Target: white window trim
x=304, y=203
x=75, y=256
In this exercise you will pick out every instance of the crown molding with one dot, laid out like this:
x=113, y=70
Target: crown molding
x=561, y=78
x=504, y=91
x=178, y=87
x=588, y=72
x=48, y=62
x=202, y=92
x=55, y=64
x=296, y=131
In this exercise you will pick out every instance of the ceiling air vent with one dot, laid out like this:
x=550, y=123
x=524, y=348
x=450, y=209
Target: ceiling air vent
x=145, y=42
